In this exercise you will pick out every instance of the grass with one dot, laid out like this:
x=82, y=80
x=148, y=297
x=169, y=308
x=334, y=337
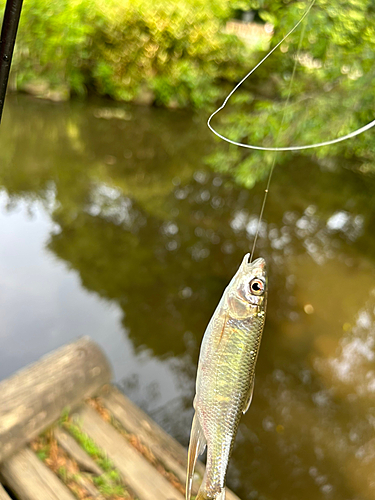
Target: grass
x=89, y=446
x=109, y=484
x=137, y=444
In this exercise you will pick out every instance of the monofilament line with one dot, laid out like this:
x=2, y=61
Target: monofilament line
x=290, y=148
x=277, y=137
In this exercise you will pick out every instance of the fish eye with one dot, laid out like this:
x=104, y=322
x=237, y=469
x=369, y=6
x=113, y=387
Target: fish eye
x=257, y=286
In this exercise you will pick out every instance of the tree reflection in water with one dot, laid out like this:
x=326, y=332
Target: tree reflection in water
x=148, y=228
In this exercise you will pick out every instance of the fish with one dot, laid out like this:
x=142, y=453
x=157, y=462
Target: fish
x=225, y=375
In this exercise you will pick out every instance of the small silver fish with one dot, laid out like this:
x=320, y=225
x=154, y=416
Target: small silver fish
x=225, y=378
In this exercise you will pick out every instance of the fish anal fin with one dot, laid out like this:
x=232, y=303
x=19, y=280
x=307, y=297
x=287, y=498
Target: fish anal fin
x=249, y=397
x=197, y=446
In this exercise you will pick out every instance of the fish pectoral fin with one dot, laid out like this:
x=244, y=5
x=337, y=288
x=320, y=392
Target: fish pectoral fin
x=249, y=397
x=197, y=446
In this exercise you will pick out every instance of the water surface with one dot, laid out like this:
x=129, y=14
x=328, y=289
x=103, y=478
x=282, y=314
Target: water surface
x=111, y=226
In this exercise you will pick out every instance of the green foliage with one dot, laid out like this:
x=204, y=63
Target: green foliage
x=109, y=485
x=42, y=454
x=54, y=43
x=64, y=417
x=175, y=53
x=178, y=54
x=318, y=86
x=63, y=473
x=89, y=445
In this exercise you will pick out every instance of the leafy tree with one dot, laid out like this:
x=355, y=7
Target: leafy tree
x=318, y=85
x=170, y=53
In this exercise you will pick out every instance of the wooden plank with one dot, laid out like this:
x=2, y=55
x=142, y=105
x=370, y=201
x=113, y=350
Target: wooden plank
x=137, y=473
x=84, y=461
x=70, y=445
x=34, y=398
x=3, y=494
x=30, y=479
x=89, y=487
x=166, y=449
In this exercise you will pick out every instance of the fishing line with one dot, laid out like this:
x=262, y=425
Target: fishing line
x=277, y=137
x=290, y=148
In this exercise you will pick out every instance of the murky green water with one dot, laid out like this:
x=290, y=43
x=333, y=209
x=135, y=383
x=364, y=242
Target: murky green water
x=111, y=226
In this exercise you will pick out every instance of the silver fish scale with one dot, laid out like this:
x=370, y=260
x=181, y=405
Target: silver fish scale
x=225, y=376
x=224, y=392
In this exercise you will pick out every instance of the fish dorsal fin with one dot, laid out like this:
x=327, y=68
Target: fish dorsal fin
x=249, y=397
x=197, y=446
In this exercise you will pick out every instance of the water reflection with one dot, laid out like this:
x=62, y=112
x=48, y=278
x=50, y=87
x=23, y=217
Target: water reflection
x=304, y=414
x=135, y=216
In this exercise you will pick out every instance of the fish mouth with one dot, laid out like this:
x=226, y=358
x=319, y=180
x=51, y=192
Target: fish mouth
x=258, y=263
x=257, y=267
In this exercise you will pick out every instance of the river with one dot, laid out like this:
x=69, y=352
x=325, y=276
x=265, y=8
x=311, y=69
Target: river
x=112, y=225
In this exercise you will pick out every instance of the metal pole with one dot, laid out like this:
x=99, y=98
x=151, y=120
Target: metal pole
x=7, y=40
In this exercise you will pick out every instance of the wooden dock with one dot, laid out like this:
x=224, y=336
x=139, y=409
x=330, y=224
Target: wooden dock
x=67, y=433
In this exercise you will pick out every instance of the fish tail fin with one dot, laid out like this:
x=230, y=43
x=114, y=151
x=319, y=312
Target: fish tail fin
x=197, y=445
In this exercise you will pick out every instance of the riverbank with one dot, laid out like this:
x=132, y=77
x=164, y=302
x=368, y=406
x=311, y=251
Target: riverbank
x=150, y=53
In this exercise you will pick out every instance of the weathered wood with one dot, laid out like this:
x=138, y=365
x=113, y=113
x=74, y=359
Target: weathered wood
x=135, y=421
x=166, y=449
x=89, y=487
x=137, y=473
x=30, y=479
x=84, y=461
x=34, y=398
x=3, y=494
x=70, y=445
